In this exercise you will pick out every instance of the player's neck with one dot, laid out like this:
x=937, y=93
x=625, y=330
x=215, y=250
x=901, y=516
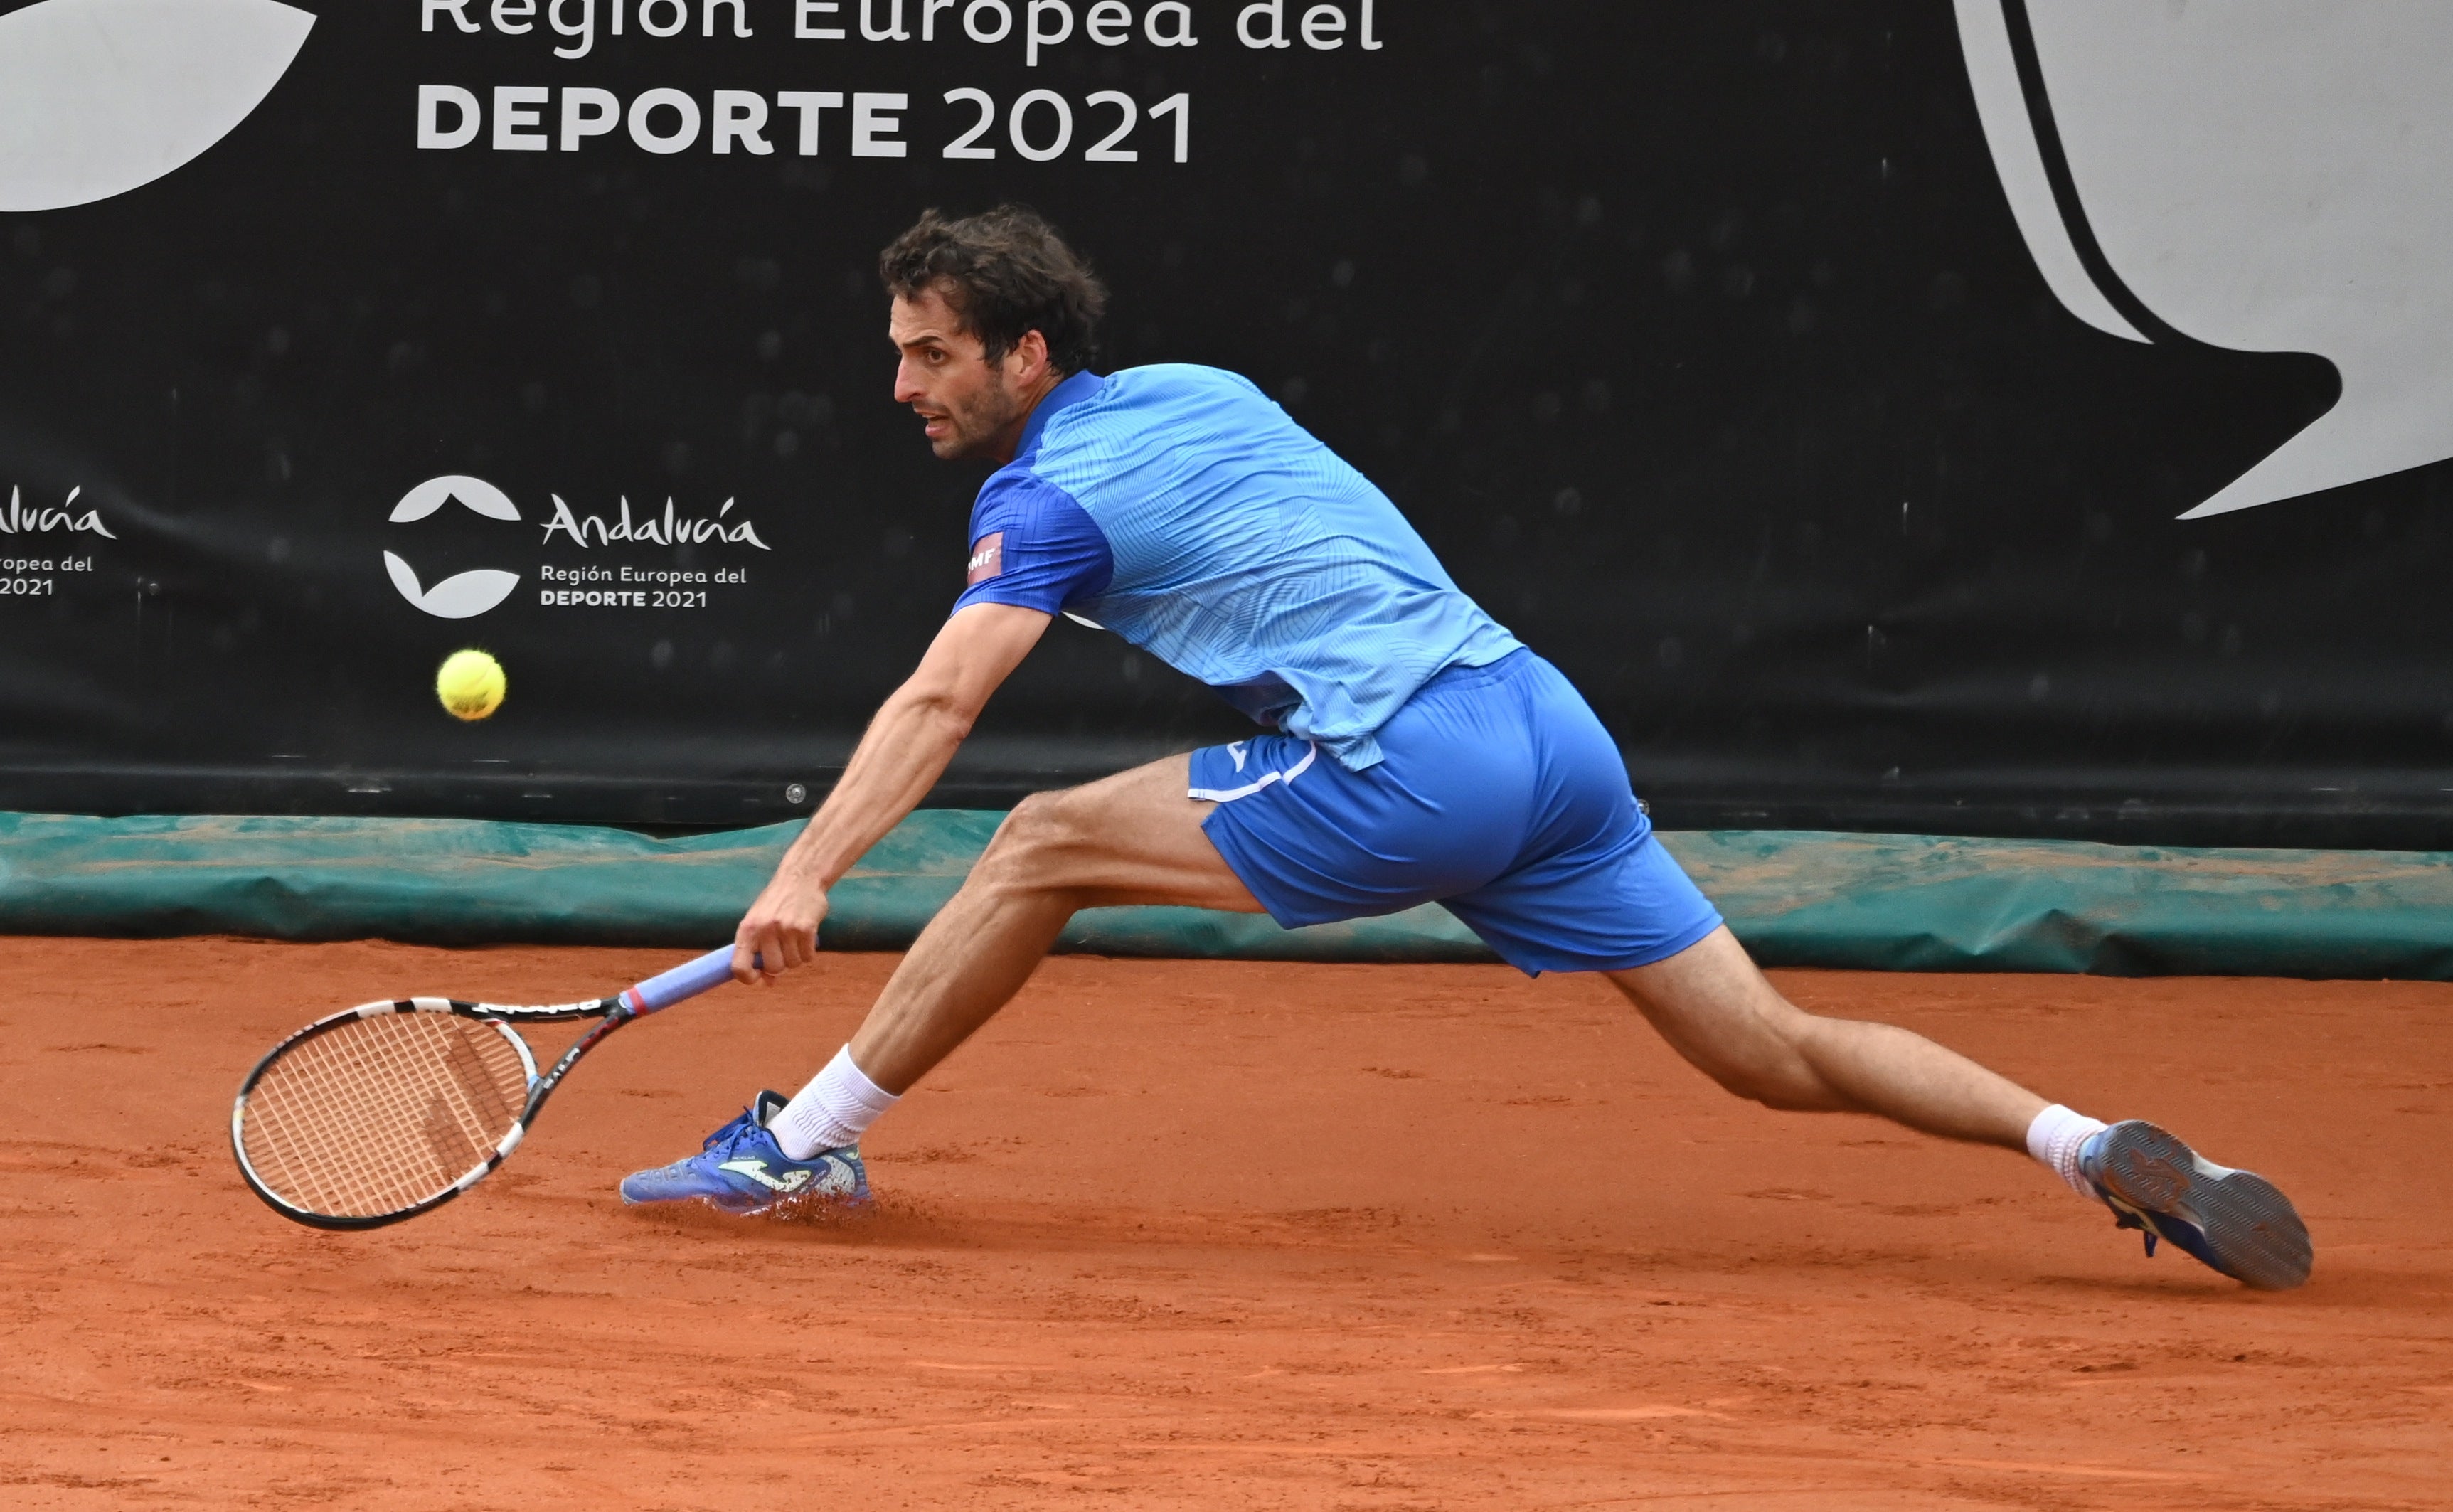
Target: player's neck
x=1009, y=440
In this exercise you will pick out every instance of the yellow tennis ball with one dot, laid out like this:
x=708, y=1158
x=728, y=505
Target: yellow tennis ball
x=471, y=684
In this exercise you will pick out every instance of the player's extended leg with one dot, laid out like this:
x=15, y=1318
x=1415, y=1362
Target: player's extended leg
x=1720, y=1012
x=1133, y=838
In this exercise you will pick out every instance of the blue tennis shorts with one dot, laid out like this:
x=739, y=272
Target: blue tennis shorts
x=1499, y=794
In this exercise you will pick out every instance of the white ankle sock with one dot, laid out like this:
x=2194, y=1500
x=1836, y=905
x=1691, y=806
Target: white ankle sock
x=2054, y=1138
x=835, y=1110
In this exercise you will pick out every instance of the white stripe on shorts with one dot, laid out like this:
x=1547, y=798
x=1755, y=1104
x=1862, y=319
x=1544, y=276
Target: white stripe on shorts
x=1227, y=795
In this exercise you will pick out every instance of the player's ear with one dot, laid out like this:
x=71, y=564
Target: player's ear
x=1031, y=350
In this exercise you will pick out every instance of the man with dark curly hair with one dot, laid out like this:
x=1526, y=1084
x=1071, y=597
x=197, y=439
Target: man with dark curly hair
x=1412, y=750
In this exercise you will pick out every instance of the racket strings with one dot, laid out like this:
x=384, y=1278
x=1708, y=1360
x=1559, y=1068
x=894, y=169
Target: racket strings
x=381, y=1114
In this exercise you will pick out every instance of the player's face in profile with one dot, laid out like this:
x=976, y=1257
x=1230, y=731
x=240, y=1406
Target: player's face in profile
x=967, y=402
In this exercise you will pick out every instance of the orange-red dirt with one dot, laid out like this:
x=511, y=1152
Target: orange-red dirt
x=1225, y=1236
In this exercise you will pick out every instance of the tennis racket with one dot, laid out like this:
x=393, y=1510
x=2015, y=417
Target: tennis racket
x=392, y=1109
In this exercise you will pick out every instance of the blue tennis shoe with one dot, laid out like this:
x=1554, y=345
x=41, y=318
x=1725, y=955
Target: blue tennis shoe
x=2237, y=1222
x=742, y=1170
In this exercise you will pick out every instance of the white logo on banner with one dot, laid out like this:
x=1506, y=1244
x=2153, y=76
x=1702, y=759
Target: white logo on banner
x=2265, y=176
x=18, y=519
x=98, y=97
x=463, y=595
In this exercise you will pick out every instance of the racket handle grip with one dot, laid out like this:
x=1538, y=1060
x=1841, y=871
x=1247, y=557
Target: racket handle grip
x=683, y=981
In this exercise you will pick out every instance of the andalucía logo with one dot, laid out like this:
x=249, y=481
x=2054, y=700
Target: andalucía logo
x=464, y=595
x=18, y=520
x=2262, y=176
x=98, y=97
x=670, y=530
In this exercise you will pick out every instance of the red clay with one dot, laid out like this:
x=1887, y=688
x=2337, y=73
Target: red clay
x=1212, y=1235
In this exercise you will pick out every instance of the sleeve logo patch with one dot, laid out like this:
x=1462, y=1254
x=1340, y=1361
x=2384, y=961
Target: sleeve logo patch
x=988, y=559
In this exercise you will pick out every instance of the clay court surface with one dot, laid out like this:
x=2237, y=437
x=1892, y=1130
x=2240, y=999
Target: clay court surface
x=1224, y=1235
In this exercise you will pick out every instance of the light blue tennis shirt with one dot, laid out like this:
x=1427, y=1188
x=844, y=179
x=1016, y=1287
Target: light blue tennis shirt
x=1179, y=507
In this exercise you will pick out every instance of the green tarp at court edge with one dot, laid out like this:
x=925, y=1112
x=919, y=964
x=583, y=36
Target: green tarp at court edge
x=1894, y=902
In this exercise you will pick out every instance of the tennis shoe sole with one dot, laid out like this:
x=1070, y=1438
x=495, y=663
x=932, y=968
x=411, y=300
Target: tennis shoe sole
x=2236, y=1222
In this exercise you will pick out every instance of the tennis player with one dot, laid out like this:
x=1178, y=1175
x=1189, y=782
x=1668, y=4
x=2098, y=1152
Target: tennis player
x=1409, y=750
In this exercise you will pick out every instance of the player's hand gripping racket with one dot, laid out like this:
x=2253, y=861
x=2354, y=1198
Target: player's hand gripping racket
x=389, y=1109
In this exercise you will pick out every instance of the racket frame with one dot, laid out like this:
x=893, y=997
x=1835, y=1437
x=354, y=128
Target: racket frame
x=615, y=1011
x=654, y=995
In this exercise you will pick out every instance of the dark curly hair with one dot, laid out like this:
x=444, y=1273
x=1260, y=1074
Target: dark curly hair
x=1006, y=272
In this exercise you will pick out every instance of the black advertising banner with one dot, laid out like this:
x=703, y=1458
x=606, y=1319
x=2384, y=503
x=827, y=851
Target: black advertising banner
x=1987, y=417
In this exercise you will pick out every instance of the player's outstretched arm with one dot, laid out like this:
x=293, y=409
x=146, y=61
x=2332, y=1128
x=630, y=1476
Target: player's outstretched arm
x=900, y=757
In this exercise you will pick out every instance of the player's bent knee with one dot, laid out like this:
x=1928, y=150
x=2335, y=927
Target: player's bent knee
x=1032, y=827
x=1031, y=820
x=1031, y=845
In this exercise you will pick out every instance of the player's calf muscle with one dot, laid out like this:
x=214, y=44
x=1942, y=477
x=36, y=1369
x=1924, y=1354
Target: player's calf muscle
x=1785, y=1079
x=1721, y=1013
x=1752, y=1054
